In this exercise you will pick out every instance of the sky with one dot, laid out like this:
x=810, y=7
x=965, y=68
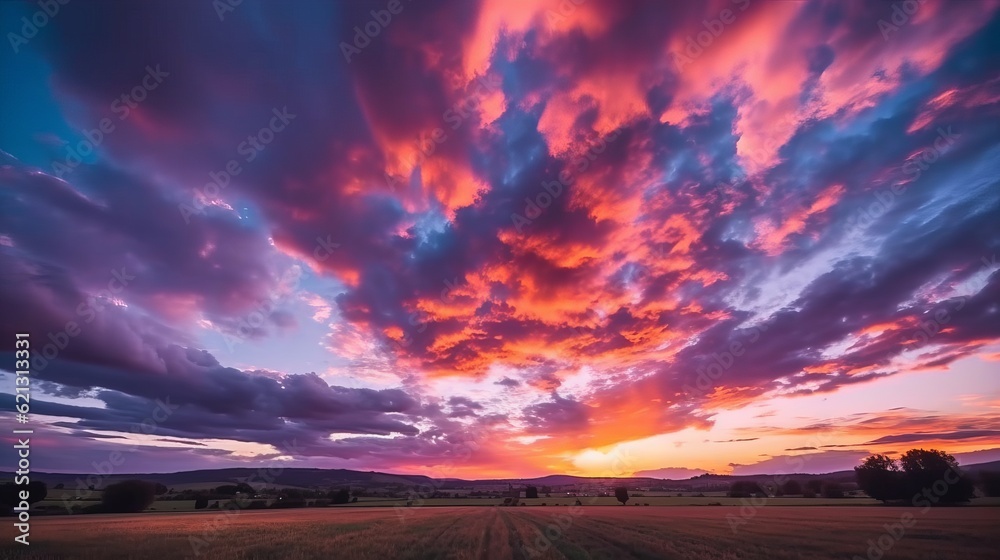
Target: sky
x=496, y=238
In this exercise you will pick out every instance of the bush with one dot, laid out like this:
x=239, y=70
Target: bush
x=531, y=492
x=257, y=504
x=322, y=502
x=130, y=496
x=287, y=504
x=201, y=503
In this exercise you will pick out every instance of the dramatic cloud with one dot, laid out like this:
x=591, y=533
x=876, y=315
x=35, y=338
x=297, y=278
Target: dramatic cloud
x=556, y=227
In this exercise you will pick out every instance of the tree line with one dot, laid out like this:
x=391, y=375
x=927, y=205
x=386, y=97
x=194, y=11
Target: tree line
x=922, y=477
x=810, y=489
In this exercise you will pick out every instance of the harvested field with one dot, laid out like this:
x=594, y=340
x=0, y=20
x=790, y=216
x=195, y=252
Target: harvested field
x=596, y=532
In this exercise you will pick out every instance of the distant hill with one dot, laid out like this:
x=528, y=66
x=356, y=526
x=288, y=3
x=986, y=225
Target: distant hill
x=324, y=478
x=567, y=480
x=671, y=473
x=982, y=467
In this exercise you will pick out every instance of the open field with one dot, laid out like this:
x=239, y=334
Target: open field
x=58, y=506
x=697, y=533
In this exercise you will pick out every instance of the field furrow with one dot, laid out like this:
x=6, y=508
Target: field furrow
x=520, y=533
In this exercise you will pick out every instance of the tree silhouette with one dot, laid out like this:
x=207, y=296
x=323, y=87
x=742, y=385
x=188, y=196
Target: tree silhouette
x=341, y=496
x=935, y=476
x=923, y=476
x=531, y=492
x=990, y=481
x=815, y=486
x=10, y=493
x=791, y=487
x=745, y=489
x=879, y=477
x=130, y=496
x=833, y=490
x=621, y=493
